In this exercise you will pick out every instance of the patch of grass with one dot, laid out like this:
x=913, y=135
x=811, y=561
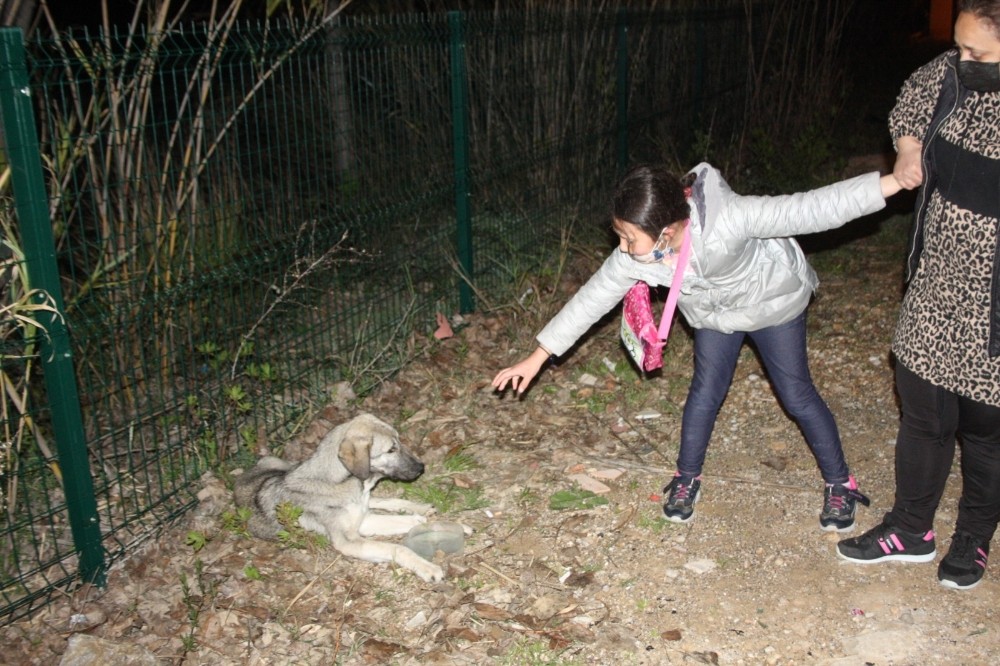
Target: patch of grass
x=527, y=496
x=655, y=524
x=383, y=597
x=460, y=461
x=467, y=584
x=529, y=652
x=598, y=401
x=444, y=495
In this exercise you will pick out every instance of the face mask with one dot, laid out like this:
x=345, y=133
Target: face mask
x=656, y=255
x=979, y=76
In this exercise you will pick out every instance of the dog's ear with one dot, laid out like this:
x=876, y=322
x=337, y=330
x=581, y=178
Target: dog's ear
x=355, y=453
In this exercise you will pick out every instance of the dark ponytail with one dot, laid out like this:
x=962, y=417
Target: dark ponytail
x=651, y=198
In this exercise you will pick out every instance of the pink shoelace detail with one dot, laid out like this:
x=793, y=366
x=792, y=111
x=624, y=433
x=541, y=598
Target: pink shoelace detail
x=681, y=491
x=836, y=501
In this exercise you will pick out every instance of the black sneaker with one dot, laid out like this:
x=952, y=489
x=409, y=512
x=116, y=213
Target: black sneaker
x=839, y=504
x=964, y=565
x=683, y=493
x=886, y=543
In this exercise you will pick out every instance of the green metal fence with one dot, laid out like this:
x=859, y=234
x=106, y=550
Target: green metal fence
x=230, y=220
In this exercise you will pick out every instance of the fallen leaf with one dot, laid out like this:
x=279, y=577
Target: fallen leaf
x=490, y=612
x=776, y=463
x=380, y=650
x=671, y=635
x=444, y=328
x=580, y=580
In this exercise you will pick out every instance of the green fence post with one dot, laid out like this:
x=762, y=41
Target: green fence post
x=699, y=72
x=460, y=136
x=31, y=205
x=621, y=89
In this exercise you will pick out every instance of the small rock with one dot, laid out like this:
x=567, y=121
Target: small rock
x=606, y=474
x=342, y=394
x=700, y=566
x=587, y=379
x=85, y=650
x=587, y=483
x=648, y=415
x=620, y=426
x=417, y=621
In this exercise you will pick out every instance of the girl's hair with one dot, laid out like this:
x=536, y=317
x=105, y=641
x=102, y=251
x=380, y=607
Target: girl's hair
x=987, y=10
x=651, y=198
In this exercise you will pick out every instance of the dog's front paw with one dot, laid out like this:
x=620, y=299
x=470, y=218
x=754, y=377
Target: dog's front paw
x=429, y=572
x=423, y=509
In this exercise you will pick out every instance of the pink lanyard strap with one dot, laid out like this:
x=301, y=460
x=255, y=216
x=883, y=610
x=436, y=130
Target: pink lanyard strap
x=675, y=285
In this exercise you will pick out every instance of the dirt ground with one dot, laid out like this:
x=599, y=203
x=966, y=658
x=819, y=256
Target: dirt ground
x=751, y=580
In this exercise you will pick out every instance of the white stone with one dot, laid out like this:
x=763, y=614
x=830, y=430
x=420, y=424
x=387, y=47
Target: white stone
x=700, y=566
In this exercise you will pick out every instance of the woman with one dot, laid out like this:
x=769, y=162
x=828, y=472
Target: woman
x=746, y=278
x=947, y=342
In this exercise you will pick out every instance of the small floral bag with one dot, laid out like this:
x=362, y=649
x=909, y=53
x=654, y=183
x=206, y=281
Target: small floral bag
x=642, y=339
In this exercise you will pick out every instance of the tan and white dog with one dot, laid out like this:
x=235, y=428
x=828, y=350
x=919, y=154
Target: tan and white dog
x=333, y=488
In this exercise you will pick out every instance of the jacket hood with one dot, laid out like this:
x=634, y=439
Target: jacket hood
x=708, y=186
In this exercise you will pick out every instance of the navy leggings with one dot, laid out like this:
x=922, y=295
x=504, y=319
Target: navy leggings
x=925, y=449
x=783, y=351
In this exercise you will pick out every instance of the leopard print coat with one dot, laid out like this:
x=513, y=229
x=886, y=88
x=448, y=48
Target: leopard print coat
x=943, y=333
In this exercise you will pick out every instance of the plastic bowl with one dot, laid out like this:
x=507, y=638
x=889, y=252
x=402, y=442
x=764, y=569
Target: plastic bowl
x=428, y=538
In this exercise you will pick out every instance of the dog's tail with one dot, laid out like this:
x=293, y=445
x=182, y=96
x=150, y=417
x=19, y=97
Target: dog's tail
x=247, y=484
x=270, y=462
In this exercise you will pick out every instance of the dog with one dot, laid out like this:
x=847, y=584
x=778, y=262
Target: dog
x=333, y=488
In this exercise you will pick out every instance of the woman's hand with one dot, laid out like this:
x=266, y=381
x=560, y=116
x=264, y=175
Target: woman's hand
x=908, y=169
x=520, y=375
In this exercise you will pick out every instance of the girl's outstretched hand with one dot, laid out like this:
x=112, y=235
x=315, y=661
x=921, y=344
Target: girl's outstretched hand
x=521, y=374
x=908, y=168
x=889, y=185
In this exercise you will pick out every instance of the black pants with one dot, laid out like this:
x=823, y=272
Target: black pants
x=925, y=450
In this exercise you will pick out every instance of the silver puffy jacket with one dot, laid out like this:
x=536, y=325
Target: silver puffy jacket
x=746, y=272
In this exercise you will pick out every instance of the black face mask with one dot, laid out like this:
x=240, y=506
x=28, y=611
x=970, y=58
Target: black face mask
x=979, y=76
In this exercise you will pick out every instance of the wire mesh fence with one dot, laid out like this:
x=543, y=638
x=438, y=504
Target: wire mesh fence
x=244, y=215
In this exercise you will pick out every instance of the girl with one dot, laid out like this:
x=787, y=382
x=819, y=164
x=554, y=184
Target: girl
x=745, y=277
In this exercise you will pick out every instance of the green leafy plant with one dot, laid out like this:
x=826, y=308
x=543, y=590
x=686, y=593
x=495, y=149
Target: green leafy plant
x=235, y=521
x=237, y=396
x=195, y=603
x=293, y=535
x=196, y=540
x=577, y=498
